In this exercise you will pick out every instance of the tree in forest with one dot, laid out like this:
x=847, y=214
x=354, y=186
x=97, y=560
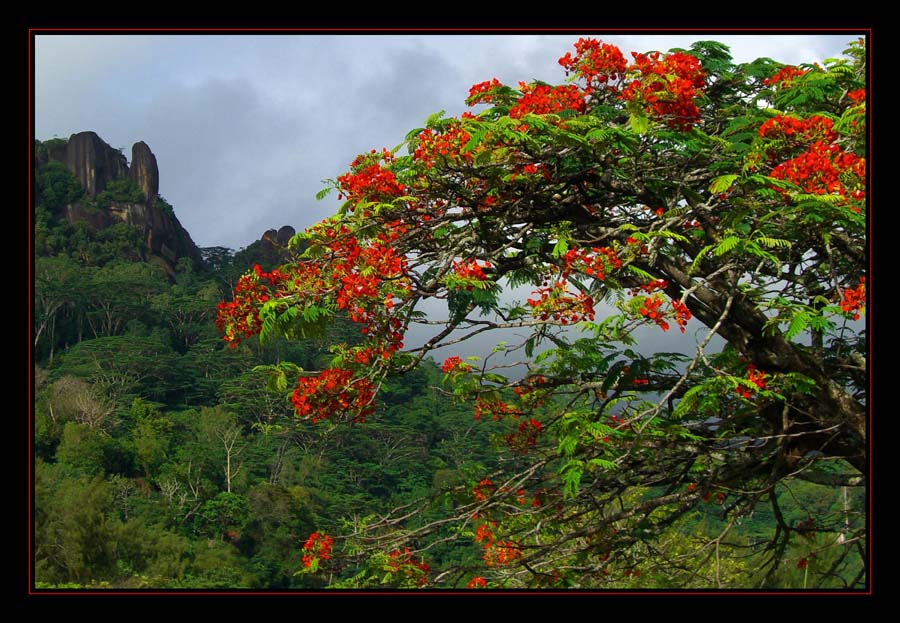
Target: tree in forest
x=678, y=192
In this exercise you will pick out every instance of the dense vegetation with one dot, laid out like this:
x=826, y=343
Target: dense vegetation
x=164, y=458
x=160, y=458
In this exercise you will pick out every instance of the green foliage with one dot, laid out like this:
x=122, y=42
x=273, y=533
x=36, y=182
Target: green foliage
x=120, y=191
x=55, y=187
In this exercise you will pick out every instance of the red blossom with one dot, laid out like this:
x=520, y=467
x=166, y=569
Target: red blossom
x=482, y=93
x=682, y=314
x=404, y=565
x=238, y=319
x=858, y=96
x=454, y=364
x=597, y=62
x=668, y=85
x=482, y=490
x=791, y=129
x=494, y=407
x=541, y=99
x=824, y=170
x=756, y=378
x=332, y=392
x=317, y=547
x=525, y=436
x=368, y=180
x=651, y=309
x=853, y=299
x=500, y=553
x=446, y=145
x=470, y=269
x=784, y=77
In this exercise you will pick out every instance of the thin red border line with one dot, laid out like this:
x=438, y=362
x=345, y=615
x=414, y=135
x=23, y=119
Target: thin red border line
x=29, y=333
x=869, y=323
x=32, y=32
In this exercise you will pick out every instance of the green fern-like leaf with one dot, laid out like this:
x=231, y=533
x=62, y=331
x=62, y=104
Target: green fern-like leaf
x=798, y=323
x=722, y=183
x=728, y=244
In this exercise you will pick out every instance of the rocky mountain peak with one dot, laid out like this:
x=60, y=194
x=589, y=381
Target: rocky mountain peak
x=95, y=164
x=144, y=171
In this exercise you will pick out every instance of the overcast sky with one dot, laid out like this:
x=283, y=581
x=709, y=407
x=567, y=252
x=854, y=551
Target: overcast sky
x=244, y=127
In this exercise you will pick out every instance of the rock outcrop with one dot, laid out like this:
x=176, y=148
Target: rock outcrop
x=273, y=244
x=95, y=164
x=167, y=241
x=143, y=171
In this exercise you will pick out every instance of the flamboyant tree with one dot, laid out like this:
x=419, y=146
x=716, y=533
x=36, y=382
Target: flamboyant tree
x=676, y=190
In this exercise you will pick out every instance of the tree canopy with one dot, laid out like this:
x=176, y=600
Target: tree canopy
x=673, y=187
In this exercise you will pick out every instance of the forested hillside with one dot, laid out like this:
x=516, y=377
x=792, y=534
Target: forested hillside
x=160, y=458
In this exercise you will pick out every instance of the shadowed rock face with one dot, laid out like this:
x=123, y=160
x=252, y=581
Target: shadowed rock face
x=143, y=171
x=273, y=244
x=93, y=162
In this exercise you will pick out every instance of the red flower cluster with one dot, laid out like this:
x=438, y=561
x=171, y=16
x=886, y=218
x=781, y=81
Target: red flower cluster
x=682, y=314
x=402, y=563
x=825, y=169
x=482, y=490
x=477, y=582
x=494, y=407
x=317, y=547
x=368, y=180
x=651, y=287
x=563, y=306
x=499, y=553
x=332, y=392
x=444, y=146
x=482, y=93
x=668, y=85
x=495, y=552
x=858, y=96
x=597, y=262
x=484, y=532
x=528, y=387
x=650, y=309
x=364, y=281
x=454, y=364
x=815, y=128
x=634, y=242
x=854, y=298
x=525, y=437
x=784, y=77
x=530, y=169
x=597, y=62
x=541, y=99
x=238, y=319
x=756, y=377
x=470, y=269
